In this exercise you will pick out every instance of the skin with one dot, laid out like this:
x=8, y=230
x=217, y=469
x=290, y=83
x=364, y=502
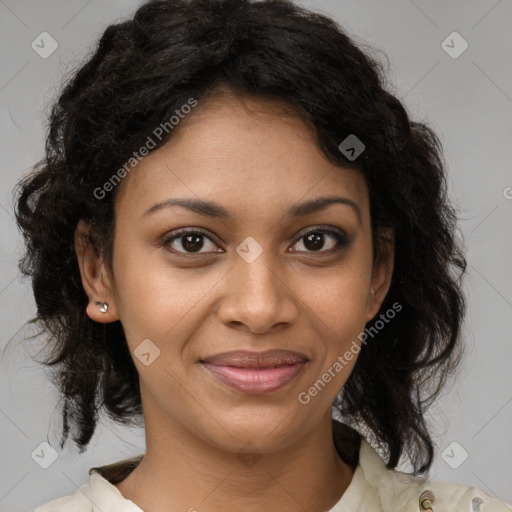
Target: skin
x=256, y=159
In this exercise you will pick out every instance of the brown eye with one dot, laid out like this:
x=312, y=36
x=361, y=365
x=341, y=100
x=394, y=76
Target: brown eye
x=190, y=242
x=315, y=241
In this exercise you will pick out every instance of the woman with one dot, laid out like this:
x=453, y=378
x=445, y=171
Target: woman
x=235, y=228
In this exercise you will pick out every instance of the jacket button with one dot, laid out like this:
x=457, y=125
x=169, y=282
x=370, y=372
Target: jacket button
x=475, y=504
x=426, y=500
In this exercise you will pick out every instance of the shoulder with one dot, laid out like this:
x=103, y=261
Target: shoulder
x=451, y=497
x=396, y=490
x=101, y=487
x=79, y=501
x=417, y=493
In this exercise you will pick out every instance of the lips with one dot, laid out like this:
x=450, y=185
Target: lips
x=255, y=372
x=248, y=359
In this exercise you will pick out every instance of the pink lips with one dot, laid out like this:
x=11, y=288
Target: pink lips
x=256, y=372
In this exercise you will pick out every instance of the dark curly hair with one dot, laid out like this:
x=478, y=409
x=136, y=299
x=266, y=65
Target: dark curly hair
x=145, y=69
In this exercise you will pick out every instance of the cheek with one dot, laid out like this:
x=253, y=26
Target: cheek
x=339, y=306
x=339, y=316
x=340, y=297
x=155, y=301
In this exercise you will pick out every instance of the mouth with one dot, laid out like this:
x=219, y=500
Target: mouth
x=255, y=373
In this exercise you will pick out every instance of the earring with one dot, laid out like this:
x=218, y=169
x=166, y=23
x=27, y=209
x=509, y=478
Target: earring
x=104, y=306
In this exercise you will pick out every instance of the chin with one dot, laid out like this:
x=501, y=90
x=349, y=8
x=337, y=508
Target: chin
x=264, y=429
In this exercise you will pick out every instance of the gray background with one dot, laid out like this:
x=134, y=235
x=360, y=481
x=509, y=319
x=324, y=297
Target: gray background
x=467, y=100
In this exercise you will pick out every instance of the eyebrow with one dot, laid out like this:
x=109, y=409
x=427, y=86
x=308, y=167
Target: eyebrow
x=211, y=209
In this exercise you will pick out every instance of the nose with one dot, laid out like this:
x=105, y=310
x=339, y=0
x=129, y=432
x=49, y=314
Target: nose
x=257, y=298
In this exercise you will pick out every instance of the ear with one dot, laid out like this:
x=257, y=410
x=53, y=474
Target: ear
x=95, y=279
x=382, y=272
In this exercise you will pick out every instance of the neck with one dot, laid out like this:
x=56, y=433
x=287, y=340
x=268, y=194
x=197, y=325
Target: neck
x=182, y=472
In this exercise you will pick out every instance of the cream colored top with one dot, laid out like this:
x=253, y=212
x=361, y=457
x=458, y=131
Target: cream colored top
x=373, y=488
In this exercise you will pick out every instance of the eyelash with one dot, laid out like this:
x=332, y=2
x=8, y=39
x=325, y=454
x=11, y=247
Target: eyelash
x=342, y=240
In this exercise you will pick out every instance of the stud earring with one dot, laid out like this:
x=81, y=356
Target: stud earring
x=104, y=306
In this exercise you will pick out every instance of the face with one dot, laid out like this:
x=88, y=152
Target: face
x=255, y=273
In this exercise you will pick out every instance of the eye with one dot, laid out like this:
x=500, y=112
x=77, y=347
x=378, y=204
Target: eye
x=314, y=241
x=188, y=241
x=192, y=241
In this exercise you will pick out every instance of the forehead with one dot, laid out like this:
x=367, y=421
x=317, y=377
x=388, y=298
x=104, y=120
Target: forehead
x=247, y=152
